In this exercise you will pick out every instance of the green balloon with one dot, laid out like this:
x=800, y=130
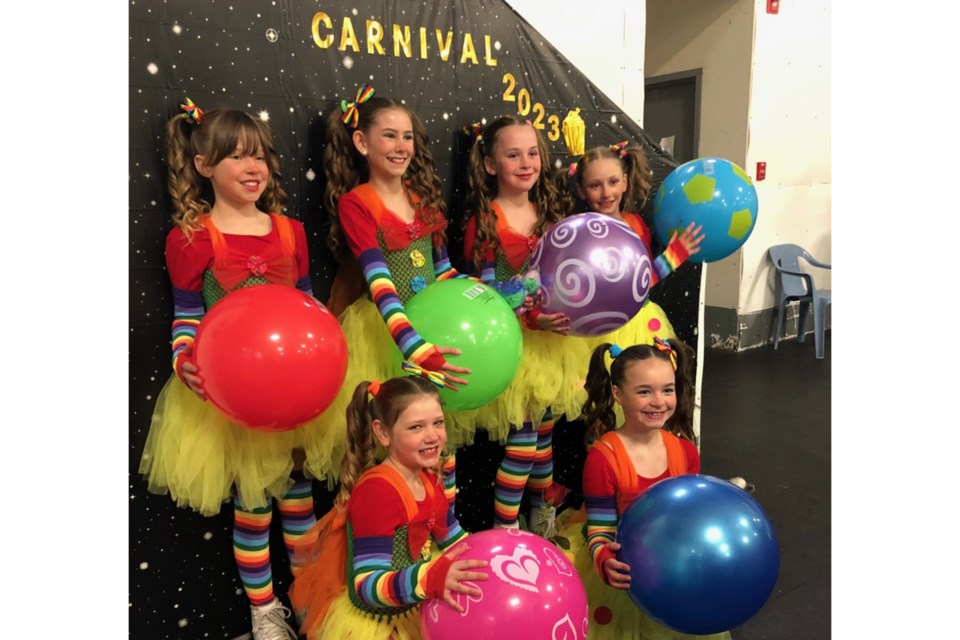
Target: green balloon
x=470, y=316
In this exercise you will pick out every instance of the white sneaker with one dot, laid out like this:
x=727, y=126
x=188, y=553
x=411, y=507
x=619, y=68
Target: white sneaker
x=543, y=521
x=270, y=622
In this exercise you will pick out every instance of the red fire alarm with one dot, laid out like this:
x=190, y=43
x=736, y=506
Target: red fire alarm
x=761, y=171
x=773, y=6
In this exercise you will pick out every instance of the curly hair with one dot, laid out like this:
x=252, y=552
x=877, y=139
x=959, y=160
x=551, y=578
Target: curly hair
x=393, y=397
x=220, y=133
x=345, y=168
x=598, y=410
x=635, y=166
x=551, y=203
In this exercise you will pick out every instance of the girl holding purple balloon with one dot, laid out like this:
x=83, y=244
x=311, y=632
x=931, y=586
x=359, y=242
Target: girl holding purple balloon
x=610, y=179
x=653, y=384
x=509, y=206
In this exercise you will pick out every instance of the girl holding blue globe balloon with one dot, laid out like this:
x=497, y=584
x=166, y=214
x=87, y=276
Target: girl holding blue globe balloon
x=371, y=559
x=612, y=180
x=653, y=384
x=224, y=181
x=510, y=204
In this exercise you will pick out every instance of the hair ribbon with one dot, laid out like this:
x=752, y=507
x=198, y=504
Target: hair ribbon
x=436, y=377
x=351, y=114
x=664, y=346
x=193, y=113
x=475, y=131
x=620, y=149
x=614, y=350
x=373, y=388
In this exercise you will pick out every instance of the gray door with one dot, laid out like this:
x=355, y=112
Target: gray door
x=671, y=108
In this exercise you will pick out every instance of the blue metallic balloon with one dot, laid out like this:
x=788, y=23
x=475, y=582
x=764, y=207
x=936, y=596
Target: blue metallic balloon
x=703, y=555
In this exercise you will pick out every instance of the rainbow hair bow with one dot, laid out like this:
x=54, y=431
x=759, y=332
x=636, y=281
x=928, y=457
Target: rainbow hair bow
x=435, y=377
x=664, y=346
x=620, y=149
x=193, y=113
x=351, y=115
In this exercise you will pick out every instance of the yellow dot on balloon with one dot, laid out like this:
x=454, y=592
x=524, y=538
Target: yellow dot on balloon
x=740, y=172
x=699, y=189
x=740, y=223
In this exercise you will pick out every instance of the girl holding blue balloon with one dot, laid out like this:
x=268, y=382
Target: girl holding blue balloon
x=509, y=206
x=612, y=180
x=653, y=385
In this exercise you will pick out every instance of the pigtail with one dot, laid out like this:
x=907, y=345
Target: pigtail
x=361, y=444
x=598, y=413
x=681, y=423
x=638, y=178
x=345, y=168
x=481, y=189
x=183, y=182
x=551, y=205
x=422, y=176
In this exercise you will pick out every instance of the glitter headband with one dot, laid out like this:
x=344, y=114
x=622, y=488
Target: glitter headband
x=664, y=346
x=351, y=114
x=193, y=113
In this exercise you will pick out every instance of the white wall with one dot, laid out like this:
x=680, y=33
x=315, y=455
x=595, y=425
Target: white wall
x=789, y=129
x=605, y=43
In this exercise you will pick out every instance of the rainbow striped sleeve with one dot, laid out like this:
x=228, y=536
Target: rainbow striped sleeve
x=601, y=526
x=384, y=294
x=376, y=584
x=442, y=267
x=453, y=531
x=188, y=310
x=669, y=261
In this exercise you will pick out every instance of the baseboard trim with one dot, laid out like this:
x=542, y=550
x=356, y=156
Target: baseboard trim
x=726, y=330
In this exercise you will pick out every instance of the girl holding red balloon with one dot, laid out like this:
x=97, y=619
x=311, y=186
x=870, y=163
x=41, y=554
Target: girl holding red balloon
x=225, y=184
x=510, y=205
x=385, y=202
x=369, y=561
x=610, y=179
x=653, y=384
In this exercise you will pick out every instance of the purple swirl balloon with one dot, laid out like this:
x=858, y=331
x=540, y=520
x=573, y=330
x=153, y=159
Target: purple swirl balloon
x=594, y=269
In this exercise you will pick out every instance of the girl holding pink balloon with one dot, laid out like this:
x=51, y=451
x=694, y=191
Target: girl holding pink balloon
x=510, y=205
x=224, y=181
x=370, y=560
x=611, y=180
x=653, y=384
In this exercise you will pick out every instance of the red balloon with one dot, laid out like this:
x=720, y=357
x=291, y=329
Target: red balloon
x=271, y=357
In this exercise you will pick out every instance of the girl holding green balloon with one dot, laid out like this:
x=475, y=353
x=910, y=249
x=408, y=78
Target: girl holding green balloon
x=384, y=198
x=509, y=206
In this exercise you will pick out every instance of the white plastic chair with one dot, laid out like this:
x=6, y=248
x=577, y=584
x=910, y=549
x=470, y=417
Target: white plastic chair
x=800, y=286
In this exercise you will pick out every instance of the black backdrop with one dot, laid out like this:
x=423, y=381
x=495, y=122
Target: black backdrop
x=292, y=61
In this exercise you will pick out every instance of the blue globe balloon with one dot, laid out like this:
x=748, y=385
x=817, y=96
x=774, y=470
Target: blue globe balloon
x=712, y=192
x=703, y=555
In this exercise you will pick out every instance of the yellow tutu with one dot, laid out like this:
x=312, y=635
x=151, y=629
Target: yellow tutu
x=371, y=355
x=613, y=615
x=194, y=453
x=551, y=374
x=345, y=621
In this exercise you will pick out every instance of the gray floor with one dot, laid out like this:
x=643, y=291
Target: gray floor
x=766, y=416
